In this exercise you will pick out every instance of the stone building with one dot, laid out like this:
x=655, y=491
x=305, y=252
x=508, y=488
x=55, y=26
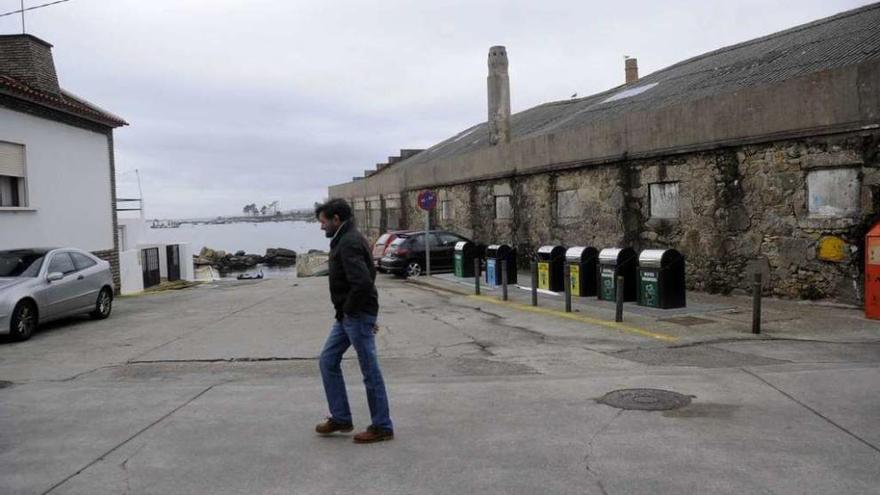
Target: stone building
x=758, y=156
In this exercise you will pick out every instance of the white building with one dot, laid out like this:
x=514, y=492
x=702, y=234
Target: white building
x=57, y=175
x=138, y=250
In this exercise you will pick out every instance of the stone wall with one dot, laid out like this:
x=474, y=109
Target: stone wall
x=740, y=209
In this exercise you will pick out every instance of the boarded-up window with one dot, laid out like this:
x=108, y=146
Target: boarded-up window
x=12, y=175
x=567, y=204
x=374, y=214
x=392, y=213
x=446, y=212
x=503, y=208
x=833, y=192
x=360, y=213
x=664, y=200
x=392, y=218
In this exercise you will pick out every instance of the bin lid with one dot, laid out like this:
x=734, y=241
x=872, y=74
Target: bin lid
x=460, y=245
x=656, y=258
x=609, y=255
x=575, y=253
x=498, y=250
x=551, y=252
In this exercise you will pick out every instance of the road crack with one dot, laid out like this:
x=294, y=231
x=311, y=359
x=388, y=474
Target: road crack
x=590, y=470
x=817, y=413
x=132, y=437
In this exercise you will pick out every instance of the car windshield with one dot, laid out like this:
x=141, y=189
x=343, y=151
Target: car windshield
x=20, y=264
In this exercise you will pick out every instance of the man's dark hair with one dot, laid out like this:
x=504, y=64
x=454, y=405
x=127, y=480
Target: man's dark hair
x=334, y=207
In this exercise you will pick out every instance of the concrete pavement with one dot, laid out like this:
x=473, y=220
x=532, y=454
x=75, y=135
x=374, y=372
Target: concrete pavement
x=215, y=389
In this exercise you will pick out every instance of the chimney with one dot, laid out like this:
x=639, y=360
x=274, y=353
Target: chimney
x=499, y=96
x=631, y=66
x=28, y=60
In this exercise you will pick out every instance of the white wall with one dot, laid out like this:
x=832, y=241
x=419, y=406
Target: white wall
x=68, y=186
x=187, y=267
x=135, y=232
x=131, y=273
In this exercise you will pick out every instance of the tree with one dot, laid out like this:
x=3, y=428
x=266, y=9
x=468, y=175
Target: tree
x=263, y=210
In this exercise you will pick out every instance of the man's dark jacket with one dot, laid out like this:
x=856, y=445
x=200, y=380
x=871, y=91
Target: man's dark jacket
x=352, y=274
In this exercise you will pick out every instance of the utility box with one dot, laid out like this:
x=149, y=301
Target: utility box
x=551, y=262
x=661, y=279
x=465, y=253
x=583, y=264
x=614, y=262
x=872, y=273
x=496, y=254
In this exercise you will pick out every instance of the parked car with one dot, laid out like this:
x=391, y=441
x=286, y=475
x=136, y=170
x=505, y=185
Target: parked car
x=39, y=285
x=406, y=255
x=383, y=243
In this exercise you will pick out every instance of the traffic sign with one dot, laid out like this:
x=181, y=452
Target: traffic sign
x=427, y=200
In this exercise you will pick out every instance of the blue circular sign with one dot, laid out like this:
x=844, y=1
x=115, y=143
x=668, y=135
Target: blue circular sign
x=427, y=200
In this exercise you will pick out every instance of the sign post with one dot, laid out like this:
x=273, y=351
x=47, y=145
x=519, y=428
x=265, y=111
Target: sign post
x=427, y=202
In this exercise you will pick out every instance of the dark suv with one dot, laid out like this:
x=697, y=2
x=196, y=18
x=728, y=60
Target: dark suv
x=406, y=255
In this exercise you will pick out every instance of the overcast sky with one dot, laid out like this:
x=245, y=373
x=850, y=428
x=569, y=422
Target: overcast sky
x=233, y=102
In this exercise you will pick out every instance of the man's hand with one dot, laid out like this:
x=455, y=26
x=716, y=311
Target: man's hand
x=375, y=328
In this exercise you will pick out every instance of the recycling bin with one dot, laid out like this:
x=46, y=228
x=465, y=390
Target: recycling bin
x=496, y=254
x=583, y=264
x=464, y=255
x=661, y=279
x=551, y=262
x=614, y=262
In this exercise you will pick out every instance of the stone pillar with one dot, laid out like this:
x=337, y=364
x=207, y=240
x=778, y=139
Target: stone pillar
x=631, y=66
x=499, y=96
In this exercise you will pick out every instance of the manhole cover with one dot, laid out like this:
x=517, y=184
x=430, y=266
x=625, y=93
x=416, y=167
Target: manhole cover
x=645, y=399
x=688, y=321
x=5, y=384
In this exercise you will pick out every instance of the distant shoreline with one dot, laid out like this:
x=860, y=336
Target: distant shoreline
x=281, y=217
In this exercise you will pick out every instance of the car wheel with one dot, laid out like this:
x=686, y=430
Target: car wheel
x=413, y=269
x=23, y=321
x=104, y=304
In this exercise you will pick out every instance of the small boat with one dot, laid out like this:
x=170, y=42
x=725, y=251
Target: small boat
x=250, y=276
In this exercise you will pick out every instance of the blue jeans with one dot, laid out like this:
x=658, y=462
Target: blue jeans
x=354, y=331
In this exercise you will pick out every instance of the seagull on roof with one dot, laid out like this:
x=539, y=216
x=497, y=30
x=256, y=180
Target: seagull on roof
x=574, y=95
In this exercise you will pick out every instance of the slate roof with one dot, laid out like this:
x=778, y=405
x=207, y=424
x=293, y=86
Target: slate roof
x=64, y=102
x=841, y=40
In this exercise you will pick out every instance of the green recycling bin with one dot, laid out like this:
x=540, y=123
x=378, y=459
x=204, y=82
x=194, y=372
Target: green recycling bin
x=583, y=263
x=551, y=261
x=465, y=253
x=661, y=279
x=614, y=262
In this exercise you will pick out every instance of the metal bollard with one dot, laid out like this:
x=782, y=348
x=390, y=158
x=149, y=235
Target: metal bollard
x=756, y=304
x=618, y=313
x=504, y=280
x=534, y=283
x=477, y=274
x=567, y=285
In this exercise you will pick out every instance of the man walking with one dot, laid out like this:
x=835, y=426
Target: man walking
x=353, y=292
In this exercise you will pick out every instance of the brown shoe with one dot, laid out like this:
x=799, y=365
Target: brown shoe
x=373, y=435
x=331, y=426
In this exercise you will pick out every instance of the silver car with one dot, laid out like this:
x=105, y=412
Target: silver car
x=38, y=285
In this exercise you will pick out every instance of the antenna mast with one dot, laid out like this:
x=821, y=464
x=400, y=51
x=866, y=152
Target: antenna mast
x=22, y=10
x=140, y=191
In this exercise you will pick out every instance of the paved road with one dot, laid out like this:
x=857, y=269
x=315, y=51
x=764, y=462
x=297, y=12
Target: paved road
x=215, y=390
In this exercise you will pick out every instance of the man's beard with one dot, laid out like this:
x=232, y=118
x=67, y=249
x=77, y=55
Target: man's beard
x=330, y=233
